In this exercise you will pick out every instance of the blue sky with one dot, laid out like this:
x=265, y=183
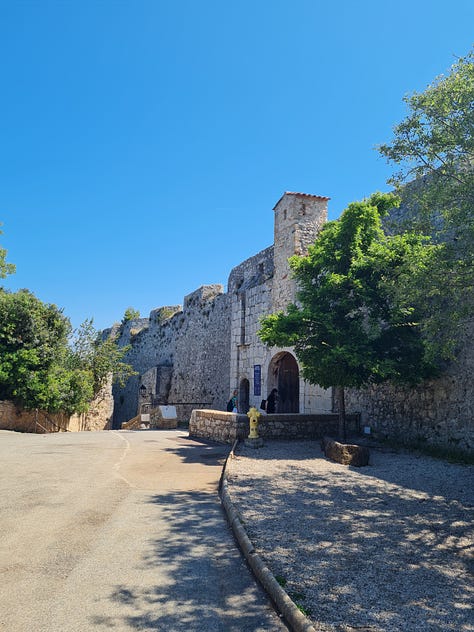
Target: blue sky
x=143, y=144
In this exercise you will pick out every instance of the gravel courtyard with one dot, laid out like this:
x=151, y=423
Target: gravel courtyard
x=384, y=548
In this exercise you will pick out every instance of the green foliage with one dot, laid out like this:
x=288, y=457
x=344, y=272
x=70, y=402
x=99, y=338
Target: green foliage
x=281, y=580
x=130, y=314
x=33, y=336
x=5, y=268
x=101, y=357
x=43, y=364
x=435, y=145
x=353, y=324
x=297, y=598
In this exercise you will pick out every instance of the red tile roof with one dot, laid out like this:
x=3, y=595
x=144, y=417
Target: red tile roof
x=305, y=195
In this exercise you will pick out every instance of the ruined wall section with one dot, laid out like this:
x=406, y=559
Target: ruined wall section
x=151, y=343
x=191, y=343
x=201, y=368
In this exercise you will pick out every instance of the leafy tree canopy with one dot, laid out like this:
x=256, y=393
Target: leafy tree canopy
x=434, y=145
x=5, y=268
x=33, y=336
x=434, y=150
x=44, y=364
x=100, y=356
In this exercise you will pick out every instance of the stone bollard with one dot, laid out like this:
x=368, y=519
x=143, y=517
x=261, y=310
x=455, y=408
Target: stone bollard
x=253, y=440
x=344, y=453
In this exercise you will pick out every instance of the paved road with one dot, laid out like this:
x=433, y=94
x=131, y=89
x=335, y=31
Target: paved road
x=119, y=531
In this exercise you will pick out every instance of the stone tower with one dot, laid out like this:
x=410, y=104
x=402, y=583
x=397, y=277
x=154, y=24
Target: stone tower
x=298, y=219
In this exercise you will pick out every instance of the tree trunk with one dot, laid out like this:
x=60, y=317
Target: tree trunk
x=341, y=406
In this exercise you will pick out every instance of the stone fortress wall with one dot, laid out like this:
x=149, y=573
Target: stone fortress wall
x=180, y=355
x=437, y=412
x=194, y=356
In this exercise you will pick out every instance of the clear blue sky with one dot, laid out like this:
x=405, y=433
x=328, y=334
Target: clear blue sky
x=144, y=143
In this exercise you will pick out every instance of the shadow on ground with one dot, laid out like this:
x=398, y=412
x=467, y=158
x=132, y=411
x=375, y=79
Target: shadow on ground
x=389, y=545
x=199, y=581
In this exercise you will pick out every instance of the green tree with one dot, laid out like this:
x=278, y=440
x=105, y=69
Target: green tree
x=130, y=314
x=434, y=145
x=352, y=325
x=44, y=364
x=5, y=268
x=33, y=336
x=100, y=356
x=433, y=148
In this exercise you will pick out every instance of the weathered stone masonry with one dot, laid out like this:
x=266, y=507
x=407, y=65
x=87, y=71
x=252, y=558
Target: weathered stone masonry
x=196, y=355
x=227, y=427
x=181, y=356
x=438, y=412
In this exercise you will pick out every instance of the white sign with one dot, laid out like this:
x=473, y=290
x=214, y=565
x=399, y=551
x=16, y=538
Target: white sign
x=168, y=412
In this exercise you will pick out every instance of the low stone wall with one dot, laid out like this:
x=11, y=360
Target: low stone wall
x=217, y=425
x=227, y=427
x=436, y=414
x=98, y=417
x=14, y=418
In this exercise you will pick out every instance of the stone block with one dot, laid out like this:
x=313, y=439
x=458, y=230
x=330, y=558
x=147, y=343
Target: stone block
x=344, y=453
x=164, y=417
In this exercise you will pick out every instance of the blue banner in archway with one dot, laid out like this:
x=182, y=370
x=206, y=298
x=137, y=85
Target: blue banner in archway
x=257, y=379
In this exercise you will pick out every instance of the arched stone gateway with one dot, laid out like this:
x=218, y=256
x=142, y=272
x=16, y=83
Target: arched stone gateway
x=284, y=375
x=244, y=396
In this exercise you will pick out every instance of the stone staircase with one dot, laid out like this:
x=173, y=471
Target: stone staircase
x=133, y=424
x=158, y=417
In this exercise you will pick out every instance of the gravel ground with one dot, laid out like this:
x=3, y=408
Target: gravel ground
x=388, y=547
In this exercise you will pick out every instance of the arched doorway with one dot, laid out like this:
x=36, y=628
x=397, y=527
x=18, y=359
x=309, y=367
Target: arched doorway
x=244, y=396
x=284, y=375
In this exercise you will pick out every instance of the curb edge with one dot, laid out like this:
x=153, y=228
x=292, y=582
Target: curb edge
x=297, y=621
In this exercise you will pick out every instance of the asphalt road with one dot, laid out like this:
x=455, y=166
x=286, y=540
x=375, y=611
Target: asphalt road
x=119, y=531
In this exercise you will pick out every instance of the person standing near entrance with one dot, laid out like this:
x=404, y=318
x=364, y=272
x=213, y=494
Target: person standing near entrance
x=232, y=403
x=272, y=402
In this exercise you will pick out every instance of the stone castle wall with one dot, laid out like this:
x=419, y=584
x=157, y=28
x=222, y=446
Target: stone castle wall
x=438, y=412
x=250, y=293
x=262, y=285
x=195, y=356
x=251, y=290
x=179, y=354
x=201, y=362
